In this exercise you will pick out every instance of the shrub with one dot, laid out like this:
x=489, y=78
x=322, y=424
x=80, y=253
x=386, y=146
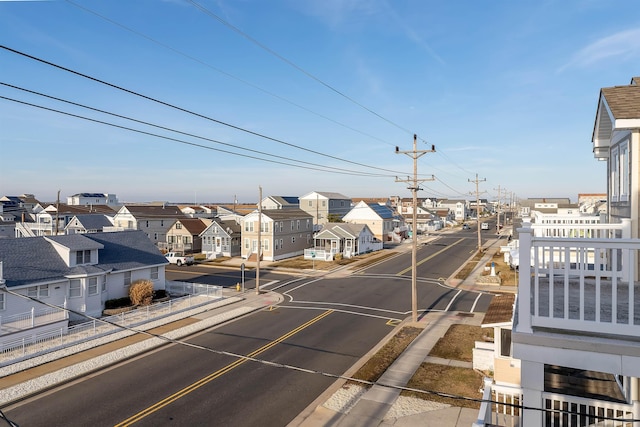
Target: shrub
x=160, y=293
x=117, y=303
x=337, y=257
x=141, y=292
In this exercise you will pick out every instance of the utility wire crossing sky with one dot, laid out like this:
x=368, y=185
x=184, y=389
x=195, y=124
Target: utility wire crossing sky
x=202, y=101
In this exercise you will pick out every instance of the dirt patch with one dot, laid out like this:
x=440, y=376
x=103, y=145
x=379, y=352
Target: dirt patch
x=449, y=380
x=458, y=342
x=507, y=274
x=465, y=271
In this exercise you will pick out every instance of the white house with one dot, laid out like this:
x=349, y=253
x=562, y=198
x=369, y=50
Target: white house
x=79, y=272
x=385, y=224
x=576, y=327
x=343, y=238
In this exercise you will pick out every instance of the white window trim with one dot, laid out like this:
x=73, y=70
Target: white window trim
x=93, y=289
x=78, y=288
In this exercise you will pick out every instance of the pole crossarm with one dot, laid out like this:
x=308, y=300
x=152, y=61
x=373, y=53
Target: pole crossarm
x=414, y=182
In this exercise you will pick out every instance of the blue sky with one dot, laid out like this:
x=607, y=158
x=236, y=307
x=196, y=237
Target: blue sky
x=324, y=90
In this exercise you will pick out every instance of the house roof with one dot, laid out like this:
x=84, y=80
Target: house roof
x=284, y=214
x=63, y=208
x=623, y=101
x=326, y=195
x=155, y=211
x=340, y=230
x=500, y=310
x=286, y=200
x=94, y=221
x=193, y=225
x=33, y=260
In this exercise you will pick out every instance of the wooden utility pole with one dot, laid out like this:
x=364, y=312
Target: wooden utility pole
x=259, y=240
x=499, y=208
x=477, y=181
x=415, y=154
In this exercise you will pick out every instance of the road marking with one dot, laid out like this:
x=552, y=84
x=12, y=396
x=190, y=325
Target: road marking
x=393, y=322
x=452, y=300
x=406, y=270
x=188, y=389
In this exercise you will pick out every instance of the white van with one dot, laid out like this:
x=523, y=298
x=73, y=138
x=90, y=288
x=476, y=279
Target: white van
x=484, y=226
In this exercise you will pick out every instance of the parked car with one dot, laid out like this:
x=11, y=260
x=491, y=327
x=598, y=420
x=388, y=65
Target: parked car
x=179, y=259
x=484, y=226
x=466, y=226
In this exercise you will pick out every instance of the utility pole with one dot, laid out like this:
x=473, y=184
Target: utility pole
x=415, y=154
x=477, y=181
x=57, y=227
x=499, y=208
x=259, y=240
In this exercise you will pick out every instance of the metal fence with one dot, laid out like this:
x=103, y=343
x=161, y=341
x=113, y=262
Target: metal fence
x=193, y=295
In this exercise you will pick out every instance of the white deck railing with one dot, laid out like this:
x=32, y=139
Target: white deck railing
x=562, y=410
x=30, y=319
x=579, y=283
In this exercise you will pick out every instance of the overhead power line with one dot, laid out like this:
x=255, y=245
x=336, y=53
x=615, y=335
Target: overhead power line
x=184, y=110
x=224, y=73
x=193, y=144
x=294, y=65
x=350, y=172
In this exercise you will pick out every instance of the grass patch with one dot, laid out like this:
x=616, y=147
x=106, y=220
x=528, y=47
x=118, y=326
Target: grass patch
x=379, y=362
x=464, y=272
x=446, y=379
x=458, y=342
x=507, y=274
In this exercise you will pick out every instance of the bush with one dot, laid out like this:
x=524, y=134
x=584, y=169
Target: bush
x=141, y=292
x=160, y=293
x=337, y=257
x=117, y=303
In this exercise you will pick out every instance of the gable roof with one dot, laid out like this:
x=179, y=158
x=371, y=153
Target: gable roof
x=33, y=260
x=341, y=230
x=193, y=225
x=326, y=195
x=94, y=221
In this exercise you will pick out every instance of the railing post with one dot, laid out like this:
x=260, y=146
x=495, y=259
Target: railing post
x=524, y=279
x=33, y=316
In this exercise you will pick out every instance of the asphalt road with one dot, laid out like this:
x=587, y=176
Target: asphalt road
x=325, y=325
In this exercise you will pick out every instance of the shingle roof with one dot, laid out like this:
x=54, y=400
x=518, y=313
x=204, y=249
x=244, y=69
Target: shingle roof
x=156, y=211
x=193, y=225
x=624, y=101
x=94, y=221
x=33, y=260
x=500, y=310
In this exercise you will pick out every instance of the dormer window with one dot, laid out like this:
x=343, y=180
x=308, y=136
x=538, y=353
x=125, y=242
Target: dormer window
x=83, y=257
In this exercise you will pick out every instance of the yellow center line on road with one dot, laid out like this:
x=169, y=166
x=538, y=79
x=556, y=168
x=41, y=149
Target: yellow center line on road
x=188, y=389
x=406, y=270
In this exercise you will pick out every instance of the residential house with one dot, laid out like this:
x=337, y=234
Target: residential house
x=346, y=239
x=593, y=203
x=385, y=224
x=53, y=219
x=284, y=233
x=325, y=207
x=88, y=223
x=184, y=235
x=193, y=211
x=458, y=209
x=280, y=202
x=222, y=238
x=154, y=220
x=576, y=328
x=79, y=272
x=426, y=220
x=89, y=199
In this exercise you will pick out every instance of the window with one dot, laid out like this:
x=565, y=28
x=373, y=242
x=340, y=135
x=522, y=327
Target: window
x=38, y=291
x=298, y=225
x=310, y=203
x=186, y=240
x=2, y=304
x=624, y=172
x=178, y=225
x=246, y=243
x=147, y=224
x=281, y=226
x=154, y=273
x=155, y=236
x=265, y=244
x=248, y=226
x=293, y=239
x=505, y=342
x=83, y=257
x=291, y=225
x=92, y=288
x=103, y=284
x=324, y=203
x=127, y=278
x=264, y=227
x=276, y=245
x=75, y=288
x=614, y=173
